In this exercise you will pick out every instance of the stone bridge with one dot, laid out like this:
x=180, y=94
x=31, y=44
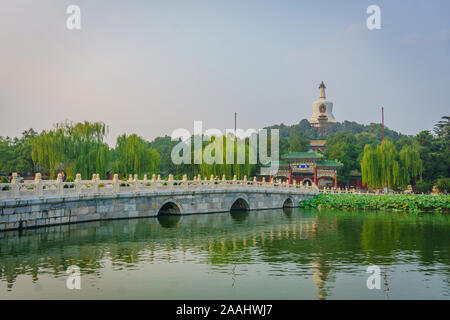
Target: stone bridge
x=52, y=202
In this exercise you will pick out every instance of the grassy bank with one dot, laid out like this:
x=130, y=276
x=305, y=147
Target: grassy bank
x=414, y=203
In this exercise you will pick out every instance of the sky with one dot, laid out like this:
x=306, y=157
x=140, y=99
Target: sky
x=150, y=67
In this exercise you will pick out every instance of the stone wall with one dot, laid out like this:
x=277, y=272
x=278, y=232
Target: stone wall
x=36, y=212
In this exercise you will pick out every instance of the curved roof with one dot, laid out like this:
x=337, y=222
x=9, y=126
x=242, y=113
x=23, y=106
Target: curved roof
x=329, y=163
x=302, y=155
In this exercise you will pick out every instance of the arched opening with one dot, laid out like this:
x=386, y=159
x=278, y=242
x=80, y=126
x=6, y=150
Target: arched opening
x=240, y=205
x=169, y=208
x=288, y=203
x=307, y=182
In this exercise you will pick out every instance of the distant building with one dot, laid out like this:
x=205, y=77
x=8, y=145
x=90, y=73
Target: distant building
x=322, y=110
x=305, y=168
x=315, y=145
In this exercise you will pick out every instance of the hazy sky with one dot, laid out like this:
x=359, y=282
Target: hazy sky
x=148, y=67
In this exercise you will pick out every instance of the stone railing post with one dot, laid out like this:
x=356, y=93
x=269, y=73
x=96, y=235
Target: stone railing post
x=95, y=183
x=185, y=182
x=170, y=181
x=77, y=183
x=38, y=184
x=135, y=183
x=59, y=185
x=116, y=183
x=15, y=188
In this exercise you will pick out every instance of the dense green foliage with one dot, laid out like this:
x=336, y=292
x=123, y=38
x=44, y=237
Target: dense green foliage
x=15, y=154
x=135, y=156
x=416, y=203
x=81, y=148
x=383, y=166
x=75, y=148
x=164, y=147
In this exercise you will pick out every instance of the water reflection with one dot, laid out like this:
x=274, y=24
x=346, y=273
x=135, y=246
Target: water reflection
x=291, y=243
x=239, y=216
x=169, y=221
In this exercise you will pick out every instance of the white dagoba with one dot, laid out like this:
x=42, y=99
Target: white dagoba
x=321, y=108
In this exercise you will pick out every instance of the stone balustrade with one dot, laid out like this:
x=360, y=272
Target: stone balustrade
x=39, y=188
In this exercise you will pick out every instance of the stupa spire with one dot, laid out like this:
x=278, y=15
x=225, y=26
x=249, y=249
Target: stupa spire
x=322, y=90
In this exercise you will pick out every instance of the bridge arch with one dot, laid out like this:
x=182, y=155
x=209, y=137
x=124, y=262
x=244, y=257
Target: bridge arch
x=240, y=203
x=169, y=207
x=288, y=203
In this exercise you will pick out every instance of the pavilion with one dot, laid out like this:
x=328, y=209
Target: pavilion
x=305, y=168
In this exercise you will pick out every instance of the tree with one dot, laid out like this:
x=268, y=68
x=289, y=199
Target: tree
x=343, y=147
x=15, y=154
x=135, y=156
x=383, y=166
x=75, y=148
x=298, y=144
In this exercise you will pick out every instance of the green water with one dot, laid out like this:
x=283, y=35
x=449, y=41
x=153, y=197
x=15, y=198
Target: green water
x=273, y=254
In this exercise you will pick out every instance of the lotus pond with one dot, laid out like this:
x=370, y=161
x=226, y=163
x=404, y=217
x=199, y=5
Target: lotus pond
x=399, y=202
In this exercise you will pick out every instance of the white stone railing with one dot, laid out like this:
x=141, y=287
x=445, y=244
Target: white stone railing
x=352, y=190
x=47, y=188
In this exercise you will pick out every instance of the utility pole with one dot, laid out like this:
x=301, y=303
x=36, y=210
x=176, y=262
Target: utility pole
x=235, y=120
x=382, y=120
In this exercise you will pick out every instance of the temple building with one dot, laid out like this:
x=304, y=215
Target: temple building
x=305, y=168
x=322, y=109
x=315, y=145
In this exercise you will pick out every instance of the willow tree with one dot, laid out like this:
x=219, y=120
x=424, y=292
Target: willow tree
x=412, y=163
x=383, y=166
x=48, y=151
x=135, y=156
x=229, y=160
x=75, y=148
x=370, y=169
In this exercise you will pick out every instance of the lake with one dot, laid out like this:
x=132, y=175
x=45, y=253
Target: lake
x=270, y=254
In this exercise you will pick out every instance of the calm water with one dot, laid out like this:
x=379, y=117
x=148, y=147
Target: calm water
x=276, y=254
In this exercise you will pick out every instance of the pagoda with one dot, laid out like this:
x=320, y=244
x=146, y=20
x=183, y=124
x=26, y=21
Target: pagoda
x=322, y=110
